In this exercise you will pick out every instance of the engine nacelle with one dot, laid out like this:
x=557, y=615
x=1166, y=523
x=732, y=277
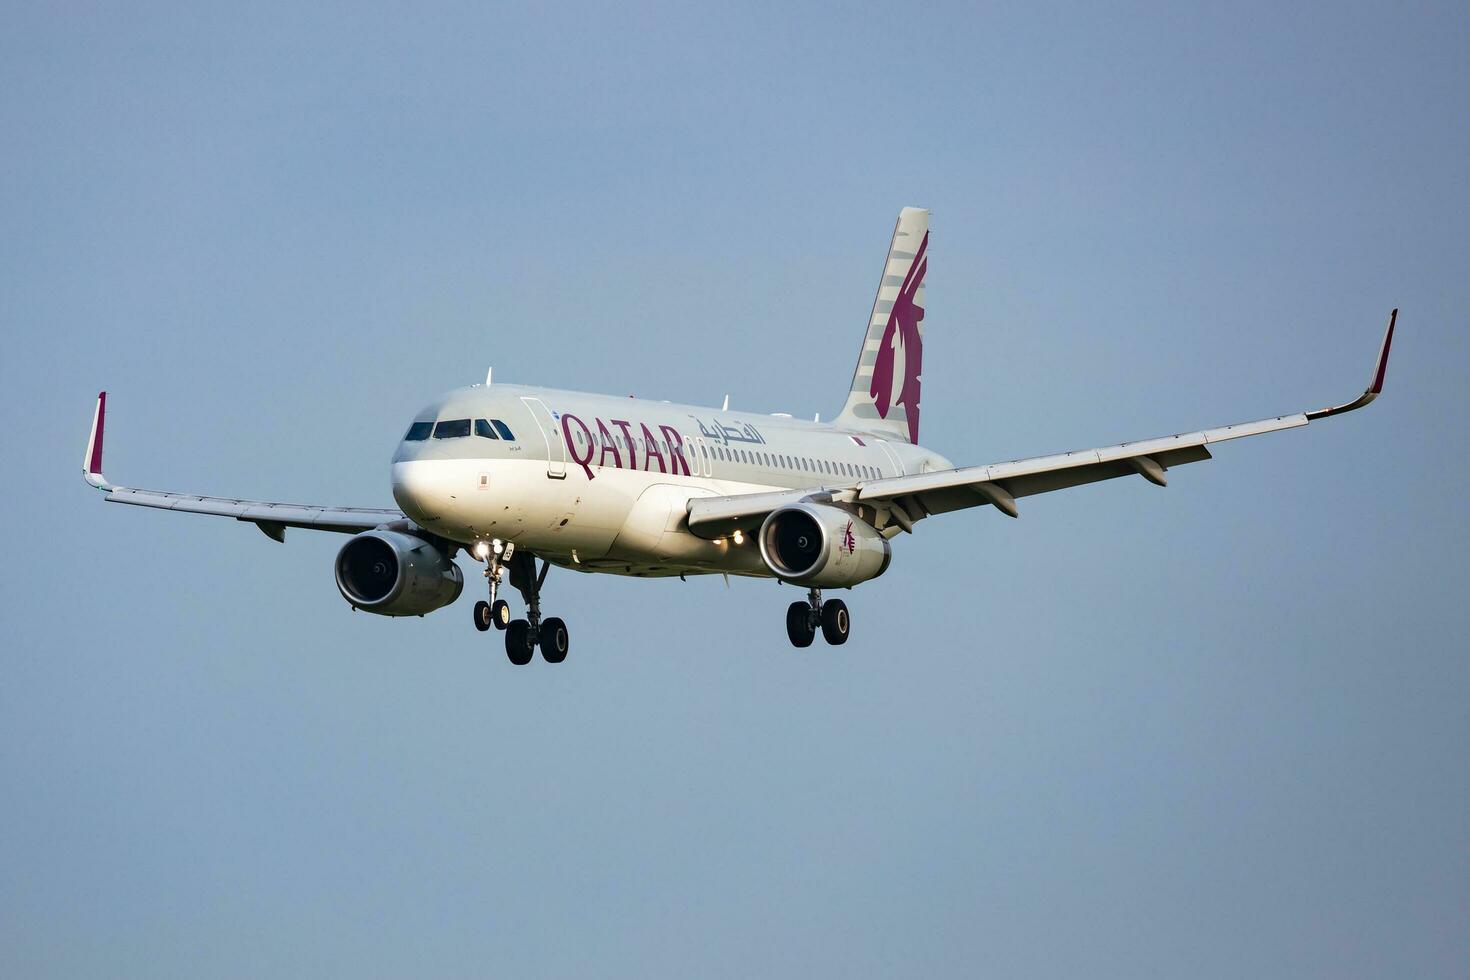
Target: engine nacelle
x=821, y=545
x=395, y=574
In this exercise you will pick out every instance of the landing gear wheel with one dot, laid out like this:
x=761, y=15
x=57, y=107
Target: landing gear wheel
x=835, y=622
x=482, y=615
x=499, y=614
x=518, y=645
x=553, y=640
x=799, y=624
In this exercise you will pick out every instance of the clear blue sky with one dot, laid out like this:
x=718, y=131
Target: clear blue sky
x=1217, y=730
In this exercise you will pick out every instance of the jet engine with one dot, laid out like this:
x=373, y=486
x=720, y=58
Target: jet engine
x=395, y=574
x=822, y=545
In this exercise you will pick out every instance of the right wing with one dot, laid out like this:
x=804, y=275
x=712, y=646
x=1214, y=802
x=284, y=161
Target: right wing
x=271, y=518
x=901, y=500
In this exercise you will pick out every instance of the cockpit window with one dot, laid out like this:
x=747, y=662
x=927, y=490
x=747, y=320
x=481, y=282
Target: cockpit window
x=418, y=432
x=483, y=429
x=503, y=429
x=452, y=429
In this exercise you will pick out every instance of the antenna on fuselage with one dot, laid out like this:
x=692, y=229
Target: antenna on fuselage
x=726, y=407
x=488, y=372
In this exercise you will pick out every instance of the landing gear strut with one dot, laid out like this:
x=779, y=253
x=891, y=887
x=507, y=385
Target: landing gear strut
x=496, y=612
x=522, y=636
x=804, y=618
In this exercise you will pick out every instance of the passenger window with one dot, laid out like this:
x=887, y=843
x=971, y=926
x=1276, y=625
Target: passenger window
x=483, y=430
x=503, y=429
x=418, y=432
x=452, y=429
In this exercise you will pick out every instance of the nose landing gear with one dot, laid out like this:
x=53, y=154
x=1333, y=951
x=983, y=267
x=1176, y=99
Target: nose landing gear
x=522, y=636
x=489, y=614
x=804, y=618
x=496, y=612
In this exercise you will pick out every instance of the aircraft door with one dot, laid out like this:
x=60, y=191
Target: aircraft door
x=556, y=450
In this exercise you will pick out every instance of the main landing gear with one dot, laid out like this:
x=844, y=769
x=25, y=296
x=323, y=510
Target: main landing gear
x=522, y=636
x=804, y=618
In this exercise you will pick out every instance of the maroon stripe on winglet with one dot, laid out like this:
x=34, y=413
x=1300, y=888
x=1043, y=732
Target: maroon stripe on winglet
x=1383, y=354
x=95, y=464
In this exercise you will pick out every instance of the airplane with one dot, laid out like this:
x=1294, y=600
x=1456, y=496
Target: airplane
x=522, y=478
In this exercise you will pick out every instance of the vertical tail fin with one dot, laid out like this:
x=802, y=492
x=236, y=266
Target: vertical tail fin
x=884, y=396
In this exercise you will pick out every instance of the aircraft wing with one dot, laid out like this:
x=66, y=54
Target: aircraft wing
x=902, y=500
x=271, y=518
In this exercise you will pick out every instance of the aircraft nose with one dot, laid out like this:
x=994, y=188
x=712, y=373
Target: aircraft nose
x=420, y=490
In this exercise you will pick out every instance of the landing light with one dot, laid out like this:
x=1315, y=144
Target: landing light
x=739, y=537
x=482, y=551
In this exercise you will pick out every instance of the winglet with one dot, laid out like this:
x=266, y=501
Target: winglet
x=1375, y=388
x=92, y=462
x=1382, y=368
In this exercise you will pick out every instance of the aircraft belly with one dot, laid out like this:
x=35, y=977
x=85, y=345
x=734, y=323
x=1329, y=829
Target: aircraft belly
x=580, y=515
x=628, y=521
x=654, y=537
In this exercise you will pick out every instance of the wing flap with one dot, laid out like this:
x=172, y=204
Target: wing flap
x=349, y=519
x=909, y=498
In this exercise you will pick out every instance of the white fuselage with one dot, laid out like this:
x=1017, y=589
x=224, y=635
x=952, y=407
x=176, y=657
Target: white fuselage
x=602, y=483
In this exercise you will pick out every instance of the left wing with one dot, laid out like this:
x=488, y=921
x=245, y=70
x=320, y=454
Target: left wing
x=902, y=500
x=271, y=518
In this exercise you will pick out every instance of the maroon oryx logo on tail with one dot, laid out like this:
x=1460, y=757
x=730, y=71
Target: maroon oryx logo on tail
x=902, y=349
